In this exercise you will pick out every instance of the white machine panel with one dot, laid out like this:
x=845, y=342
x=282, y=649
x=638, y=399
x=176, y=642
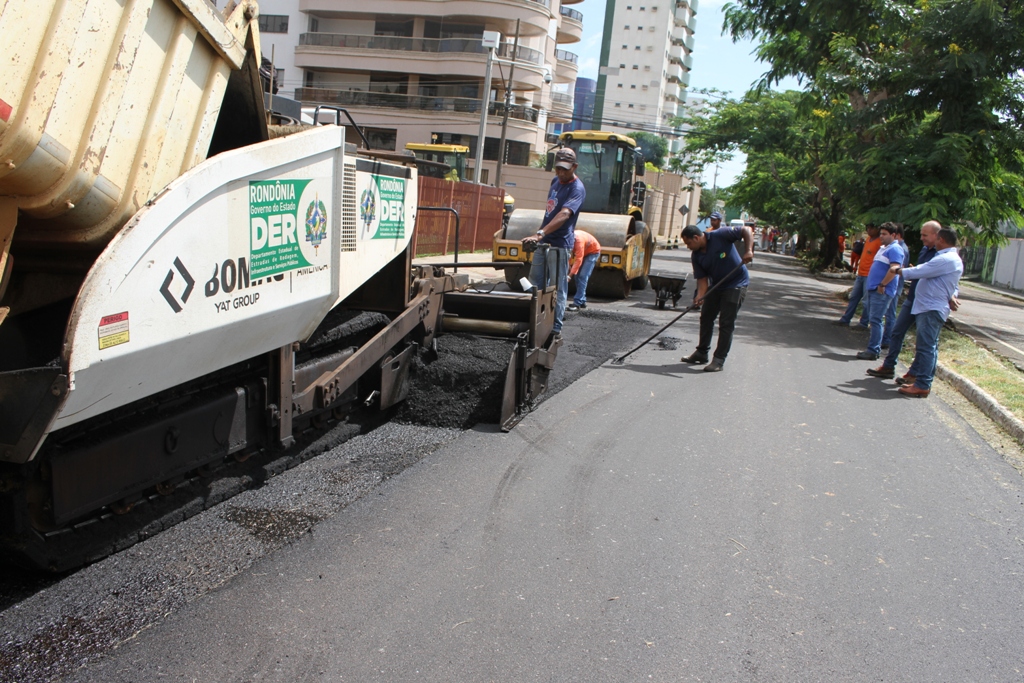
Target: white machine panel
x=241, y=255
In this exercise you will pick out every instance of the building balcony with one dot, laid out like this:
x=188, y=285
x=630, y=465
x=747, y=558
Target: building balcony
x=426, y=56
x=675, y=73
x=566, y=66
x=570, y=29
x=447, y=107
x=693, y=5
x=676, y=53
x=561, y=107
x=688, y=62
x=499, y=15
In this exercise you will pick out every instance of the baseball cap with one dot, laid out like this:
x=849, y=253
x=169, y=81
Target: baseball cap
x=715, y=215
x=565, y=158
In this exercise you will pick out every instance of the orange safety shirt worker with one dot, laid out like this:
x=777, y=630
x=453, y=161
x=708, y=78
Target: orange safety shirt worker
x=586, y=244
x=871, y=248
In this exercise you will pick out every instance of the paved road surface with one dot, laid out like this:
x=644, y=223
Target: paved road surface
x=789, y=519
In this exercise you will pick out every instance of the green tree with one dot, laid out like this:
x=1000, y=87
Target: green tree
x=654, y=148
x=930, y=90
x=797, y=161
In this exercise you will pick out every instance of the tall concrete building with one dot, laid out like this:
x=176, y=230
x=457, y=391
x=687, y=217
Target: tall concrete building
x=645, y=65
x=413, y=71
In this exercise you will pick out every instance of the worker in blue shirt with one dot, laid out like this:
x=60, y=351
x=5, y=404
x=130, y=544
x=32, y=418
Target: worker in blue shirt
x=715, y=260
x=880, y=287
x=558, y=230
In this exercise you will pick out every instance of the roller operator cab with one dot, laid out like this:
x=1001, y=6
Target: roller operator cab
x=437, y=158
x=611, y=167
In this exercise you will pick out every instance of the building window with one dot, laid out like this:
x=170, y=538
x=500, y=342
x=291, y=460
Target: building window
x=620, y=85
x=627, y=27
x=618, y=104
x=637, y=47
x=632, y=87
x=644, y=87
x=635, y=67
x=647, y=67
x=314, y=25
x=625, y=47
x=273, y=23
x=629, y=7
x=382, y=138
x=639, y=28
x=642, y=9
x=654, y=8
x=631, y=106
x=622, y=66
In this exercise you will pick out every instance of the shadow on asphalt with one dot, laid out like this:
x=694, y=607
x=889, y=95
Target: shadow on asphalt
x=869, y=387
x=784, y=308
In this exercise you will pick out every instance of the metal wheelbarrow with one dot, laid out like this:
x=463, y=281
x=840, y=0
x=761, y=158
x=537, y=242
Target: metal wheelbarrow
x=667, y=287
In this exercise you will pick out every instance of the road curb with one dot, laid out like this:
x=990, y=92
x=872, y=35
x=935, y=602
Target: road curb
x=984, y=401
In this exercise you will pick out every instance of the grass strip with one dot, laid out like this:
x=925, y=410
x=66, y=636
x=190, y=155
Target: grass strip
x=994, y=374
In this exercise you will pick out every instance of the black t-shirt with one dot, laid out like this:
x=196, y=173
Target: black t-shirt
x=858, y=247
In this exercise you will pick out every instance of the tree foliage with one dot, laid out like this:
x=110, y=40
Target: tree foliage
x=926, y=95
x=797, y=164
x=654, y=148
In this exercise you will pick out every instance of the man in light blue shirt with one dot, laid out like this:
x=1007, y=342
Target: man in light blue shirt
x=881, y=287
x=890, y=313
x=938, y=284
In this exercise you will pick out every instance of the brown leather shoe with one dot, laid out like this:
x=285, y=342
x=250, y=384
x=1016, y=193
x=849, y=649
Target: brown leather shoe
x=906, y=380
x=913, y=391
x=882, y=372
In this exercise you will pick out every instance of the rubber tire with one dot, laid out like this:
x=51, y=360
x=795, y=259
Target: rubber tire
x=640, y=282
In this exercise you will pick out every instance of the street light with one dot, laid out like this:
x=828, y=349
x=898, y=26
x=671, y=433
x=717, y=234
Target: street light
x=489, y=42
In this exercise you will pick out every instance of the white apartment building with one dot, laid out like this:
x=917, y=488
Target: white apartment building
x=645, y=65
x=413, y=71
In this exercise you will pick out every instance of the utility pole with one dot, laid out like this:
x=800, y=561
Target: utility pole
x=508, y=105
x=489, y=42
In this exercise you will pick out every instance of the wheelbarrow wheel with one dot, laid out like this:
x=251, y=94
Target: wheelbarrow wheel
x=661, y=304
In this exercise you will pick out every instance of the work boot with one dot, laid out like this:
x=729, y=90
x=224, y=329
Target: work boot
x=882, y=372
x=715, y=365
x=867, y=355
x=572, y=307
x=913, y=391
x=906, y=380
x=696, y=358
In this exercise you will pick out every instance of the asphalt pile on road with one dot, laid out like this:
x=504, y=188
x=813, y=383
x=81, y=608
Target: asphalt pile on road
x=462, y=386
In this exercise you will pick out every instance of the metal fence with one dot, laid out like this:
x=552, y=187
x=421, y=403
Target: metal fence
x=979, y=262
x=479, y=207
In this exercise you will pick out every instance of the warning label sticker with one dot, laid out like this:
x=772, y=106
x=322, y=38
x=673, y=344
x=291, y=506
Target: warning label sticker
x=113, y=330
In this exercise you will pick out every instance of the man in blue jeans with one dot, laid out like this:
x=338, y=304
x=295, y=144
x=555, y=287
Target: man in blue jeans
x=887, y=370
x=938, y=286
x=863, y=268
x=585, y=252
x=890, y=313
x=565, y=197
x=881, y=287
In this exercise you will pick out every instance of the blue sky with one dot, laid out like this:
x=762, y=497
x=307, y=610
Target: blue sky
x=717, y=62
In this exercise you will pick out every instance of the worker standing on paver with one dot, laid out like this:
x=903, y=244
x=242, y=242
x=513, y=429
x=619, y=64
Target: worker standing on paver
x=715, y=260
x=565, y=197
x=585, y=252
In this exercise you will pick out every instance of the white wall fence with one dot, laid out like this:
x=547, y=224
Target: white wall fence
x=1009, y=268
